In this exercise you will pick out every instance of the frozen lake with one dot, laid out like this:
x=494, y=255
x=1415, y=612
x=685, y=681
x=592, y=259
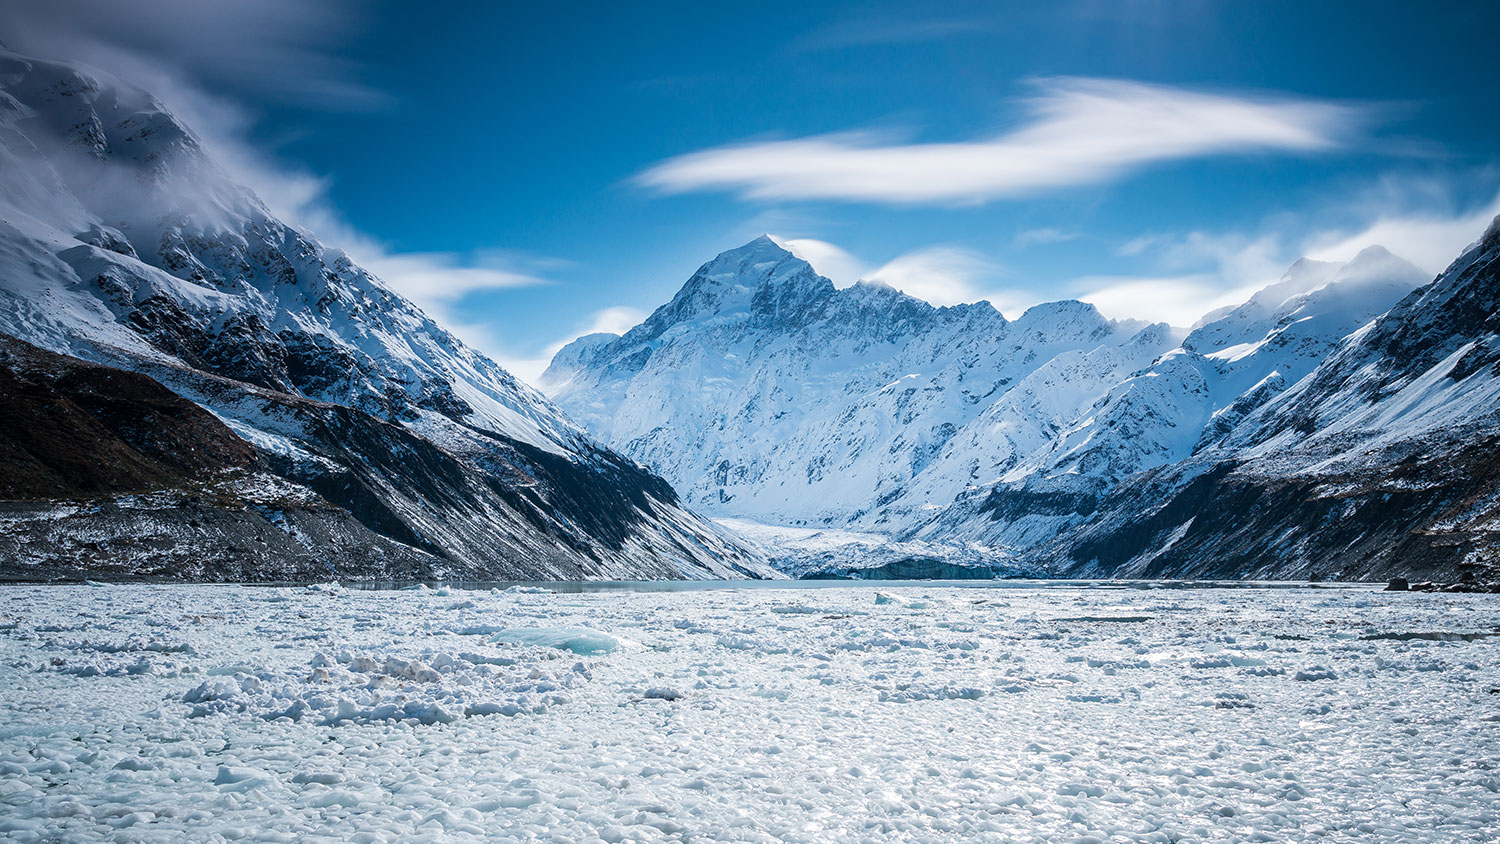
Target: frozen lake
x=823, y=712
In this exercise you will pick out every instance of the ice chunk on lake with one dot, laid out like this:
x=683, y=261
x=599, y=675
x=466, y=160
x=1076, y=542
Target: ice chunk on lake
x=584, y=641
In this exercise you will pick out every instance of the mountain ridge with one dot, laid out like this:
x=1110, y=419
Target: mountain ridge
x=123, y=244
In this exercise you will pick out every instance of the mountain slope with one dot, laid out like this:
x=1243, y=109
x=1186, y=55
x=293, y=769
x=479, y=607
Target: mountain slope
x=1186, y=401
x=762, y=391
x=1384, y=460
x=123, y=244
x=1058, y=441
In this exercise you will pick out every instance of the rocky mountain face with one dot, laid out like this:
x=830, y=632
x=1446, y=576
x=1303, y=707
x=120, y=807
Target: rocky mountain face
x=1185, y=402
x=1336, y=424
x=1382, y=461
x=381, y=442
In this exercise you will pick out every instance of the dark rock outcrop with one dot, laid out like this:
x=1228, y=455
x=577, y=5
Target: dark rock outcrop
x=108, y=473
x=71, y=429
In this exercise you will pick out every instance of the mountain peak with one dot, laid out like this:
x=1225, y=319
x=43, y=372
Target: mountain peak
x=1377, y=262
x=1060, y=312
x=1373, y=252
x=729, y=283
x=762, y=250
x=759, y=262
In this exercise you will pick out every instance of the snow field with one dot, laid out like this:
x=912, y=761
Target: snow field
x=1069, y=714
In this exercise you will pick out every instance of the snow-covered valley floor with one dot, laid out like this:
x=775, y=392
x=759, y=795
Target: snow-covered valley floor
x=858, y=713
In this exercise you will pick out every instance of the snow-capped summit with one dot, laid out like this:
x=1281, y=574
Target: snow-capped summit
x=123, y=243
x=763, y=391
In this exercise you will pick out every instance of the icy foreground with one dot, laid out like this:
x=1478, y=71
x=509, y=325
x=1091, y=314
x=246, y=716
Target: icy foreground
x=1004, y=712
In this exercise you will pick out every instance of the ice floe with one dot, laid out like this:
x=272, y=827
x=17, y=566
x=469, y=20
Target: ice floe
x=811, y=714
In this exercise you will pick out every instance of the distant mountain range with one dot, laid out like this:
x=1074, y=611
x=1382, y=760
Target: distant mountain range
x=1340, y=423
x=195, y=389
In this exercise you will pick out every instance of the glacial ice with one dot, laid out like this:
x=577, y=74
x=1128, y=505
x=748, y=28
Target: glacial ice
x=998, y=713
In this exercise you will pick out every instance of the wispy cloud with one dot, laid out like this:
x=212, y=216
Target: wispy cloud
x=1429, y=240
x=1198, y=272
x=614, y=320
x=1418, y=219
x=830, y=261
x=942, y=275
x=288, y=50
x=439, y=279
x=1177, y=300
x=866, y=32
x=1080, y=131
x=1033, y=237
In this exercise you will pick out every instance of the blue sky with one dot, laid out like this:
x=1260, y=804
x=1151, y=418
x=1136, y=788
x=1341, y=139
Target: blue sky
x=530, y=172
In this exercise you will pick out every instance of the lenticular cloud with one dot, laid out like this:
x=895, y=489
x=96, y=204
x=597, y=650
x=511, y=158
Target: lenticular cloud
x=1080, y=131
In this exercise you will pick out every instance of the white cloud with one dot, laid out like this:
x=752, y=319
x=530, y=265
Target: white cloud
x=527, y=369
x=828, y=260
x=1204, y=272
x=616, y=320
x=1032, y=237
x=288, y=50
x=1137, y=245
x=436, y=280
x=1178, y=300
x=1014, y=302
x=1238, y=260
x=942, y=275
x=1081, y=131
x=1429, y=240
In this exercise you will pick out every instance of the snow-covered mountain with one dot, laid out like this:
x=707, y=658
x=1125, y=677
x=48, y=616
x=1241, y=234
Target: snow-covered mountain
x=1384, y=459
x=1187, y=400
x=767, y=395
x=763, y=391
x=122, y=243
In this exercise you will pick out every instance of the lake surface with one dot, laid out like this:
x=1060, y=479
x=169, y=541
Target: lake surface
x=810, y=711
x=577, y=586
